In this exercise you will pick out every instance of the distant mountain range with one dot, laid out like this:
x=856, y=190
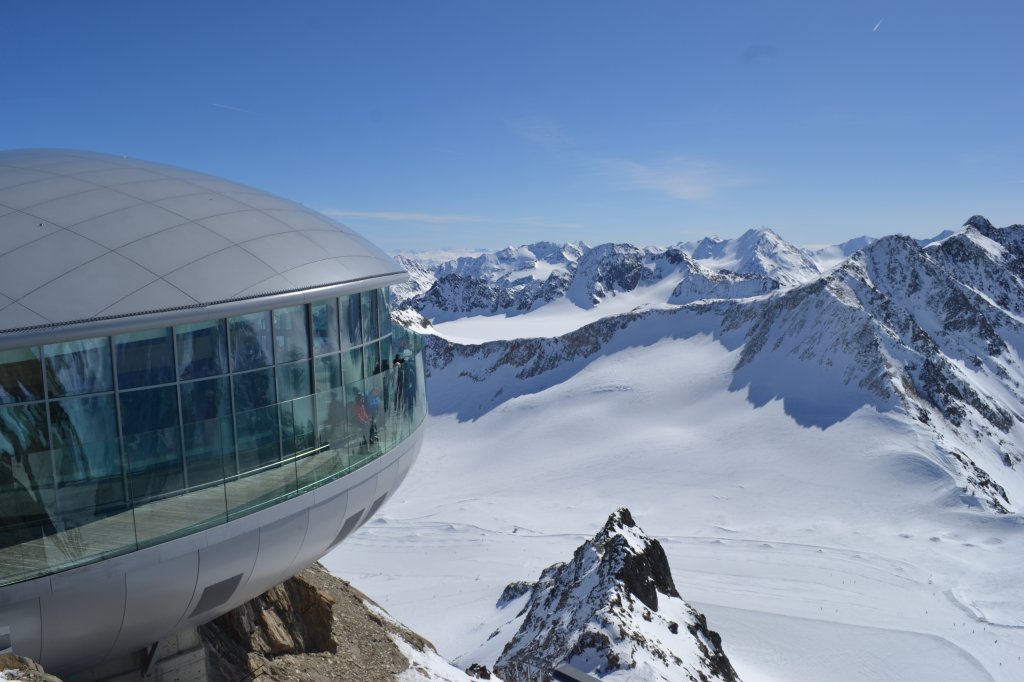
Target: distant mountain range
x=932, y=330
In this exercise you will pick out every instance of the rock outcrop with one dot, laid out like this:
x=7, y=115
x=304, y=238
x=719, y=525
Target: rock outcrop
x=14, y=667
x=318, y=628
x=613, y=608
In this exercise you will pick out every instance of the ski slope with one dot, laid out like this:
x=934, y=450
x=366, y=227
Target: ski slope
x=838, y=554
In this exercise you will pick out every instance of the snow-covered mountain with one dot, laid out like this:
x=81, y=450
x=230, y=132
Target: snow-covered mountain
x=516, y=281
x=612, y=611
x=933, y=333
x=828, y=257
x=757, y=252
x=833, y=468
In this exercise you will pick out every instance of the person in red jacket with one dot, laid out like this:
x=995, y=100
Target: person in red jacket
x=360, y=419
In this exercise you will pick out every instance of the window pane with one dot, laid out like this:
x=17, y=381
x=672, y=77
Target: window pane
x=293, y=381
x=371, y=330
x=332, y=415
x=27, y=502
x=254, y=389
x=88, y=458
x=258, y=443
x=149, y=424
x=77, y=367
x=291, y=341
x=21, y=375
x=386, y=353
x=352, y=365
x=202, y=349
x=144, y=358
x=250, y=341
x=297, y=426
x=371, y=358
x=325, y=326
x=207, y=426
x=328, y=372
x=351, y=328
x=383, y=314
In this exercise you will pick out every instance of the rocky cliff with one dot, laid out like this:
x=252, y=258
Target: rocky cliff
x=318, y=628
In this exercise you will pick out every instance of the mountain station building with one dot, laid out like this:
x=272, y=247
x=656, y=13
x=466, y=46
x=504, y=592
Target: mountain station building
x=201, y=393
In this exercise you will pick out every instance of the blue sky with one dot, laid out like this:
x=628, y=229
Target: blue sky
x=481, y=124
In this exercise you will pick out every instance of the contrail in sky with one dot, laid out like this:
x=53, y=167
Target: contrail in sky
x=879, y=24
x=231, y=108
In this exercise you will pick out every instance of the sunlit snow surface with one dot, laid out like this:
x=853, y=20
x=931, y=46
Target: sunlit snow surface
x=836, y=554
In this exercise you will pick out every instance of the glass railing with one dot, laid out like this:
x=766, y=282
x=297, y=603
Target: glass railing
x=193, y=475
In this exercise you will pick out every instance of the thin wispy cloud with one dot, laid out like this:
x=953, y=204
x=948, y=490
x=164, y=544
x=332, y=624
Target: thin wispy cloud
x=231, y=108
x=447, y=218
x=540, y=130
x=686, y=179
x=879, y=24
x=406, y=216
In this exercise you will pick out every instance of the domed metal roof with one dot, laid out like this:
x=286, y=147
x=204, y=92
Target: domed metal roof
x=87, y=236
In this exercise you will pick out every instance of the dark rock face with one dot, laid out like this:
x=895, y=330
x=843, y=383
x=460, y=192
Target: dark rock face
x=614, y=606
x=643, y=574
x=478, y=671
x=514, y=591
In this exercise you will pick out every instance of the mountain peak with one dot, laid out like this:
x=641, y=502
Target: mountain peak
x=601, y=612
x=979, y=222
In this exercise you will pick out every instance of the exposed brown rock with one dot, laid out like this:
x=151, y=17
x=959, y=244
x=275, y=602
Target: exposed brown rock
x=312, y=628
x=27, y=669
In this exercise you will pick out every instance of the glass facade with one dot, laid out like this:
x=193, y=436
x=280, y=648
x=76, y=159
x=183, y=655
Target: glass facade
x=114, y=443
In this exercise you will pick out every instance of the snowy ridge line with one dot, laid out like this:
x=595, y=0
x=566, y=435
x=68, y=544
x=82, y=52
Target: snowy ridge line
x=894, y=328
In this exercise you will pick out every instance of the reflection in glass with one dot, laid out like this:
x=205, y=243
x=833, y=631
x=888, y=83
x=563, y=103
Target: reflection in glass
x=208, y=430
x=371, y=330
x=250, y=341
x=327, y=371
x=332, y=414
x=27, y=505
x=386, y=353
x=383, y=314
x=257, y=438
x=325, y=326
x=352, y=365
x=256, y=419
x=21, y=375
x=371, y=359
x=88, y=458
x=202, y=349
x=78, y=367
x=297, y=425
x=254, y=389
x=293, y=381
x=291, y=340
x=86, y=472
x=144, y=358
x=149, y=424
x=351, y=328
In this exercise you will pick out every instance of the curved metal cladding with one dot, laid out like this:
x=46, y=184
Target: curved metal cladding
x=181, y=428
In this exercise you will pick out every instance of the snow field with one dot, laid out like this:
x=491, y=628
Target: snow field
x=836, y=554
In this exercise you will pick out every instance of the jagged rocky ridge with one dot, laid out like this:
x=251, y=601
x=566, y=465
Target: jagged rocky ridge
x=518, y=280
x=933, y=332
x=613, y=608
